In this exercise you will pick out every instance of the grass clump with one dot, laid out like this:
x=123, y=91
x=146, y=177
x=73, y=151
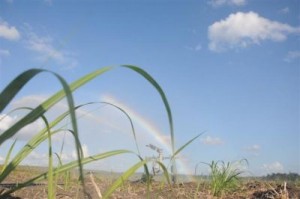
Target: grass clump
x=224, y=176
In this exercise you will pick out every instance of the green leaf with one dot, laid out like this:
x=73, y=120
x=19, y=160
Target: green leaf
x=66, y=167
x=123, y=177
x=167, y=107
x=8, y=155
x=186, y=144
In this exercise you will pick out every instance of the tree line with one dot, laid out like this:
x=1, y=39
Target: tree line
x=283, y=176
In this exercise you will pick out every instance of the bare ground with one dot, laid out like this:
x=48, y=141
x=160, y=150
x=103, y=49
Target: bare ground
x=96, y=185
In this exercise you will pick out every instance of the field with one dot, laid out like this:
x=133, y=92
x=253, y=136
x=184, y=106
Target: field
x=98, y=182
x=70, y=180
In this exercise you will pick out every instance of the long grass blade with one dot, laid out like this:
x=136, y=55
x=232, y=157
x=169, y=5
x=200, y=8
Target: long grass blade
x=165, y=171
x=8, y=155
x=167, y=107
x=35, y=141
x=162, y=95
x=7, y=95
x=16, y=85
x=67, y=167
x=32, y=144
x=123, y=177
x=41, y=109
x=131, y=123
x=186, y=144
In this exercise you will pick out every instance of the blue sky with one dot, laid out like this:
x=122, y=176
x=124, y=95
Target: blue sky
x=228, y=67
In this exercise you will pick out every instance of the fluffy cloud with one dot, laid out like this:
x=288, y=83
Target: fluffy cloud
x=292, y=55
x=240, y=30
x=44, y=47
x=8, y=32
x=274, y=167
x=285, y=10
x=6, y=121
x=29, y=101
x=217, y=3
x=254, y=149
x=37, y=158
x=30, y=130
x=211, y=141
x=26, y=132
x=85, y=151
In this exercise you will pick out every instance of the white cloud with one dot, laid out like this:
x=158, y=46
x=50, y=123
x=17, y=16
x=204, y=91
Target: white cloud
x=8, y=32
x=32, y=129
x=217, y=3
x=274, y=167
x=285, y=10
x=85, y=151
x=40, y=158
x=240, y=30
x=6, y=121
x=26, y=132
x=45, y=48
x=59, y=108
x=211, y=141
x=29, y=101
x=4, y=53
x=36, y=158
x=292, y=55
x=35, y=100
x=254, y=149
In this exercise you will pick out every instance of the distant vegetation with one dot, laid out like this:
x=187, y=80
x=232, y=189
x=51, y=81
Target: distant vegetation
x=283, y=176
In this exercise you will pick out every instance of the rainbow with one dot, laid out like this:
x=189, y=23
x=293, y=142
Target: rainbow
x=150, y=128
